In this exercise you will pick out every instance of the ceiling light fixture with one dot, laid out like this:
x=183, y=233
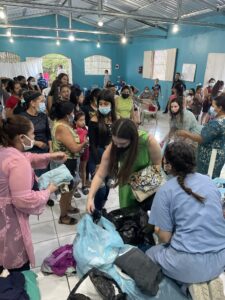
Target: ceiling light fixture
x=175, y=28
x=98, y=45
x=11, y=40
x=8, y=32
x=100, y=23
x=58, y=42
x=71, y=38
x=124, y=39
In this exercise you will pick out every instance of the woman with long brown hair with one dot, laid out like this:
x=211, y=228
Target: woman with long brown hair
x=130, y=151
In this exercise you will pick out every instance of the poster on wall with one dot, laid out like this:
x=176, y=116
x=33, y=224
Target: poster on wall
x=188, y=72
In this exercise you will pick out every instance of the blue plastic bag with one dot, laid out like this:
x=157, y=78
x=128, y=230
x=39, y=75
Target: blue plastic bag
x=98, y=245
x=95, y=245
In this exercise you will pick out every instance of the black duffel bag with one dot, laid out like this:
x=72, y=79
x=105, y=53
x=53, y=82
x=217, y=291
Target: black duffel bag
x=132, y=225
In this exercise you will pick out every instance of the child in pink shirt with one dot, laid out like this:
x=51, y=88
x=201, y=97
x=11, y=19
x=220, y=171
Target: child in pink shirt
x=82, y=131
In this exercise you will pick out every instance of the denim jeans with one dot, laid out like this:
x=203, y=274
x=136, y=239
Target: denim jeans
x=103, y=192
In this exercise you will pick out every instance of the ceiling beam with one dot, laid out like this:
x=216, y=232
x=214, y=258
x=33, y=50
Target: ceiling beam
x=159, y=20
x=56, y=29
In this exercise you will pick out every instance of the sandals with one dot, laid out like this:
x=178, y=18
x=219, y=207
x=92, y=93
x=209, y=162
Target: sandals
x=67, y=220
x=77, y=195
x=73, y=210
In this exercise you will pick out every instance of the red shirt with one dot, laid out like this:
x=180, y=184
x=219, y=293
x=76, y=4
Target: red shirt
x=12, y=102
x=82, y=132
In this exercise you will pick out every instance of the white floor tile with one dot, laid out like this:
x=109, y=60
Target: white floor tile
x=43, y=231
x=73, y=280
x=68, y=239
x=44, y=249
x=63, y=230
x=53, y=287
x=45, y=216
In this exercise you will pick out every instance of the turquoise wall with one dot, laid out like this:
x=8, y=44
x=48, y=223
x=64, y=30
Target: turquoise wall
x=193, y=45
x=77, y=51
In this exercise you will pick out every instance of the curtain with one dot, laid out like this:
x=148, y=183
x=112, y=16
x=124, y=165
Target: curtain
x=170, y=64
x=148, y=64
x=27, y=68
x=215, y=67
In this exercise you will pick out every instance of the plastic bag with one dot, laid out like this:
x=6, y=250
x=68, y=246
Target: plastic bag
x=95, y=244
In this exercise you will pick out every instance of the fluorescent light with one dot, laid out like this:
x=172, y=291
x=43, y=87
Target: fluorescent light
x=98, y=45
x=58, y=42
x=2, y=14
x=175, y=28
x=71, y=38
x=11, y=40
x=100, y=23
x=124, y=40
x=8, y=32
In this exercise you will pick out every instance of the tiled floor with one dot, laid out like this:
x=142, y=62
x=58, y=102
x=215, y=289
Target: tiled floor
x=48, y=235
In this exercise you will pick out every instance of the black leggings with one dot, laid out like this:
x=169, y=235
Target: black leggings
x=25, y=267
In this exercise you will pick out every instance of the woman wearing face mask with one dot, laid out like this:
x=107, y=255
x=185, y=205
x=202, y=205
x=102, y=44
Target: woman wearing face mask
x=207, y=100
x=32, y=84
x=99, y=131
x=36, y=113
x=89, y=106
x=18, y=191
x=125, y=104
x=146, y=94
x=188, y=218
x=130, y=151
x=65, y=139
x=11, y=103
x=212, y=136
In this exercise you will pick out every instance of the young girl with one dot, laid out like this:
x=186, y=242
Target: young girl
x=82, y=131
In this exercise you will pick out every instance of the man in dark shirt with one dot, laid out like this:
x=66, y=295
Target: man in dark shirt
x=178, y=80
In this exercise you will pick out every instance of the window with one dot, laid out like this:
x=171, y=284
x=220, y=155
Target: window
x=159, y=64
x=97, y=64
x=8, y=57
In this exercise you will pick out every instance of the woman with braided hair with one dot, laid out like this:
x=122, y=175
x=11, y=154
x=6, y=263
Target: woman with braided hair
x=188, y=218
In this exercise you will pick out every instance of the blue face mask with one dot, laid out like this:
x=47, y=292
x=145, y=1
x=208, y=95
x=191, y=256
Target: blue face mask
x=212, y=112
x=42, y=107
x=104, y=110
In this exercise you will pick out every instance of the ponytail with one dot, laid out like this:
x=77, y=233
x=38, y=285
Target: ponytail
x=180, y=180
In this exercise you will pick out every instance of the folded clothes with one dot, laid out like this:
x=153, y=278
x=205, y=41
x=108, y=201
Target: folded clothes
x=146, y=274
x=59, y=176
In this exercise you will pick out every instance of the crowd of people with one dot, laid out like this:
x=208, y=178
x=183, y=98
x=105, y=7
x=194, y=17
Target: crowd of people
x=97, y=136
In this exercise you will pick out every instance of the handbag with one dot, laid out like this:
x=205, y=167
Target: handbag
x=145, y=182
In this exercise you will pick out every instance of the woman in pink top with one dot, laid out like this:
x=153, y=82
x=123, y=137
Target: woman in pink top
x=18, y=198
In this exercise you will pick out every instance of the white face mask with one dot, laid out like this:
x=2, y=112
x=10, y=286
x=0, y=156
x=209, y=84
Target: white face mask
x=28, y=147
x=33, y=83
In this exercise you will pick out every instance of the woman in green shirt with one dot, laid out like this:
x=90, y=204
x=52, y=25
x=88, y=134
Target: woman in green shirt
x=124, y=104
x=130, y=151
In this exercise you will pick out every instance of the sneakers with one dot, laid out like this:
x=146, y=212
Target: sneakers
x=212, y=290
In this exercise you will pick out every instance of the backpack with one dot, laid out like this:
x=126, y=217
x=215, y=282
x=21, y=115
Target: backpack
x=97, y=285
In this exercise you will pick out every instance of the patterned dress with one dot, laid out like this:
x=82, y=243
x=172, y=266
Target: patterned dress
x=213, y=135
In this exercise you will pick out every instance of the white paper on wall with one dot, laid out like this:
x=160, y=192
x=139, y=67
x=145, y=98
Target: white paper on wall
x=188, y=72
x=215, y=67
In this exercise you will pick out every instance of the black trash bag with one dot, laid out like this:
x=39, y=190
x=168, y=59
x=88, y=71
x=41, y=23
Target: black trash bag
x=132, y=225
x=97, y=285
